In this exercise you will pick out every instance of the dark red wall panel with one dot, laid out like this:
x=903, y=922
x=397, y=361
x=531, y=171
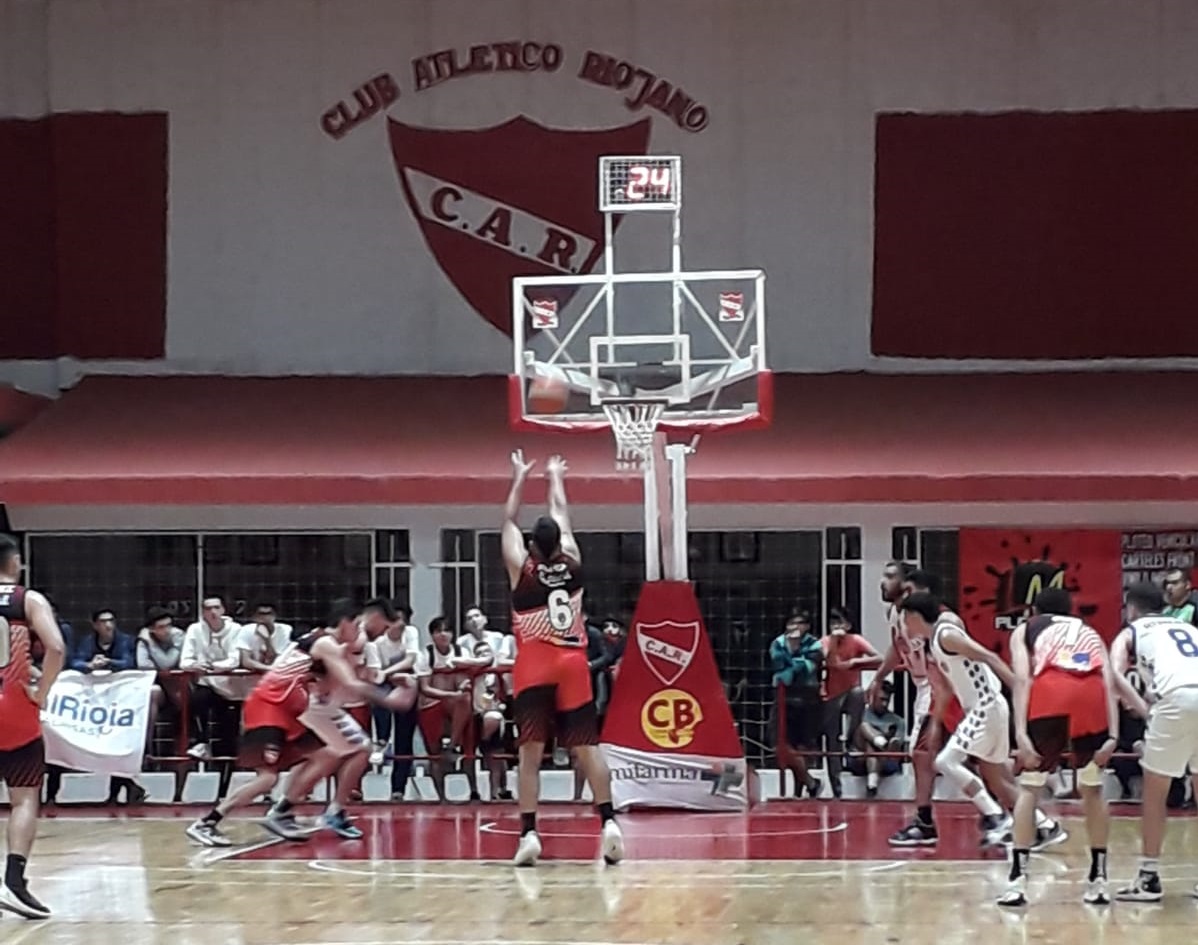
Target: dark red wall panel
x=85, y=247
x=1036, y=235
x=27, y=292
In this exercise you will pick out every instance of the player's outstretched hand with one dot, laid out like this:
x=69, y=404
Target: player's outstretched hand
x=521, y=467
x=556, y=466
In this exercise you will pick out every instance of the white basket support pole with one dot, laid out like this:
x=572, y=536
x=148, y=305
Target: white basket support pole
x=678, y=568
x=652, y=521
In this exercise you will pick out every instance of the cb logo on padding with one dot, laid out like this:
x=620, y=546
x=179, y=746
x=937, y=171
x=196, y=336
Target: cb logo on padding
x=669, y=718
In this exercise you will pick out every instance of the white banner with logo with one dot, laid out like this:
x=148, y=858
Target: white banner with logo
x=691, y=782
x=97, y=722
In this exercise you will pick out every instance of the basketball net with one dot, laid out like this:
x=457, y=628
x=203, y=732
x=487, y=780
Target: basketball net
x=633, y=423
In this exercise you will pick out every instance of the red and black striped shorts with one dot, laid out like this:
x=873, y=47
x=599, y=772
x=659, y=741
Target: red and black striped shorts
x=24, y=767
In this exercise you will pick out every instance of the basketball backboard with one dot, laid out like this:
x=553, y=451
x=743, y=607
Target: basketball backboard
x=692, y=341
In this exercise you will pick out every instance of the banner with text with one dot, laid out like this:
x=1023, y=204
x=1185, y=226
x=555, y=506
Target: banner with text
x=1002, y=570
x=669, y=737
x=1149, y=554
x=97, y=722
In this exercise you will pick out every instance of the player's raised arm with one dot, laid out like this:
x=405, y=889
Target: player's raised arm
x=558, y=508
x=512, y=537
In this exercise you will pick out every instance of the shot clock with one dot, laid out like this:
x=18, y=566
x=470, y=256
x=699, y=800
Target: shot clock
x=644, y=182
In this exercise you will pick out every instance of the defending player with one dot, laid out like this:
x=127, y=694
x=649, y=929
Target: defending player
x=960, y=667
x=898, y=581
x=1165, y=649
x=552, y=679
x=289, y=721
x=22, y=754
x=1065, y=698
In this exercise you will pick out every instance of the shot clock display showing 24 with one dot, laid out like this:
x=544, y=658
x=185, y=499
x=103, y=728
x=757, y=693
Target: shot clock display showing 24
x=640, y=183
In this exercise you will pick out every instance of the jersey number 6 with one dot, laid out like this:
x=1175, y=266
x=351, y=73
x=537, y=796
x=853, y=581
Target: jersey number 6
x=561, y=614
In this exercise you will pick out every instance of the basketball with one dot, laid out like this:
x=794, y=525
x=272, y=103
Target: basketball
x=548, y=395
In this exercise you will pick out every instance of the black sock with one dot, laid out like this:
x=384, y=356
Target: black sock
x=214, y=817
x=528, y=823
x=283, y=807
x=1019, y=858
x=605, y=812
x=924, y=814
x=1097, y=863
x=14, y=872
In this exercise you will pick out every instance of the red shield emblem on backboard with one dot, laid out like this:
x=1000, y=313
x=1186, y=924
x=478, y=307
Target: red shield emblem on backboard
x=544, y=313
x=668, y=648
x=518, y=199
x=732, y=306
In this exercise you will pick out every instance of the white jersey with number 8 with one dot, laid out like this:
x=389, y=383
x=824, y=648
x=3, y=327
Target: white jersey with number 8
x=1166, y=650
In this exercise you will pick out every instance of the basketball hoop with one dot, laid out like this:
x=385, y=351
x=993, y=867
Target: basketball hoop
x=633, y=422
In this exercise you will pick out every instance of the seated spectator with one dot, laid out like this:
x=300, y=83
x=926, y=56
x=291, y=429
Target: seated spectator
x=489, y=719
x=445, y=702
x=159, y=648
x=881, y=730
x=797, y=657
x=259, y=644
x=491, y=706
x=846, y=654
x=107, y=650
x=211, y=644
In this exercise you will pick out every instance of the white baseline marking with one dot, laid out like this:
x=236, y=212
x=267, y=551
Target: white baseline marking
x=492, y=826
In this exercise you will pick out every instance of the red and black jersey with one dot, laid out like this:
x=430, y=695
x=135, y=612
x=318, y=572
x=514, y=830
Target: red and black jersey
x=547, y=601
x=20, y=718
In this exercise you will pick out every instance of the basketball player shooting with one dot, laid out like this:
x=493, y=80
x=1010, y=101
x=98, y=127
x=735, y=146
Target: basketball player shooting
x=552, y=679
x=22, y=752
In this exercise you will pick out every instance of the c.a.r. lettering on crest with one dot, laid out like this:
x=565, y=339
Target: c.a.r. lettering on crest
x=518, y=231
x=667, y=652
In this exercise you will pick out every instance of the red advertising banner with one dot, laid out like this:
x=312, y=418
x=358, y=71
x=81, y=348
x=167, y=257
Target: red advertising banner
x=1003, y=569
x=669, y=736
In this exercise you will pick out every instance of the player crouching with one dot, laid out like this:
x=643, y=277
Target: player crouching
x=1065, y=699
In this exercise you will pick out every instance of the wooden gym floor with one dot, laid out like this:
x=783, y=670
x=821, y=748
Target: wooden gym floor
x=816, y=873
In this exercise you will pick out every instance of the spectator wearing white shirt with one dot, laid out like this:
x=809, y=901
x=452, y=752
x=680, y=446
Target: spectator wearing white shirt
x=491, y=694
x=209, y=644
x=260, y=643
x=263, y=639
x=445, y=701
x=398, y=648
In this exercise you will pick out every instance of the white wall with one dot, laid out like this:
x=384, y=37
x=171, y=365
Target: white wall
x=292, y=252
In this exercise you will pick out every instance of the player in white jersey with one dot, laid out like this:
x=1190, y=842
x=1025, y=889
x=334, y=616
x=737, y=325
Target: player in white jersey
x=1165, y=650
x=975, y=676
x=928, y=728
